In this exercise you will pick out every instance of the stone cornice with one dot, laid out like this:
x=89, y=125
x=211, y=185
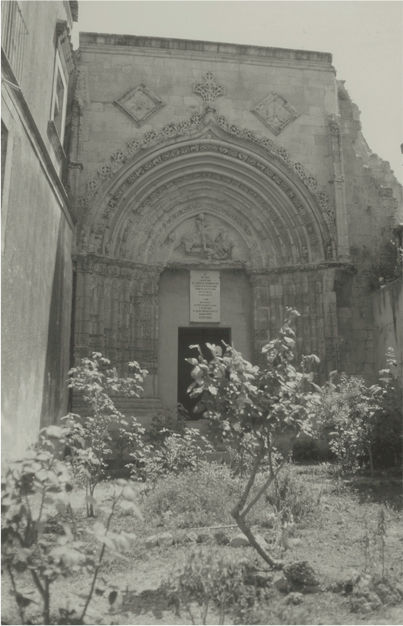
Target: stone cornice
x=187, y=48
x=100, y=264
x=306, y=267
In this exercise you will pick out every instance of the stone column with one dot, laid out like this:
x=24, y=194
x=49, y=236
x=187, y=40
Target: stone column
x=339, y=189
x=331, y=332
x=267, y=294
x=144, y=298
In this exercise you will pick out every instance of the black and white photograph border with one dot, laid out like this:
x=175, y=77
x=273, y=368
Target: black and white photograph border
x=202, y=312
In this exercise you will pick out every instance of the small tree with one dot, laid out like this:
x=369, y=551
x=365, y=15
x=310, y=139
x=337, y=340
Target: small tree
x=90, y=439
x=264, y=402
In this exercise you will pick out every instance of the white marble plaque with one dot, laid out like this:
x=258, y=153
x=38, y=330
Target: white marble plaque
x=204, y=296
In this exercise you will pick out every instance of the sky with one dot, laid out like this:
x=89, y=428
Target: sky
x=364, y=37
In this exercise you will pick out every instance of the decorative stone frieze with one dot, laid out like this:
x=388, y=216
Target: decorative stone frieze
x=275, y=112
x=139, y=103
x=173, y=131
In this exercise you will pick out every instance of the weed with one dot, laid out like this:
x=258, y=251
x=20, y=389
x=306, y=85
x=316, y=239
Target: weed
x=381, y=532
x=293, y=497
x=207, y=580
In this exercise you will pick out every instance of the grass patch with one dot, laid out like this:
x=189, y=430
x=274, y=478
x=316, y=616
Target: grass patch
x=206, y=497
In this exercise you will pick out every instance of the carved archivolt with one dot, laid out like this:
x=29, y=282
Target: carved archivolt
x=174, y=131
x=273, y=219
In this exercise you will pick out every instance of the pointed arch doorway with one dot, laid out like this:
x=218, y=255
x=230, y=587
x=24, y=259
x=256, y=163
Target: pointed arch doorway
x=177, y=333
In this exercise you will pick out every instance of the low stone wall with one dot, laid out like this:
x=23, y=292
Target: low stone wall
x=388, y=323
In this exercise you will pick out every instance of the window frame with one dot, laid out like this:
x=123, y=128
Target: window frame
x=59, y=69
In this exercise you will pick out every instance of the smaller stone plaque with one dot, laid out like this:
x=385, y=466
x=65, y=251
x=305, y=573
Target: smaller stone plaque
x=204, y=296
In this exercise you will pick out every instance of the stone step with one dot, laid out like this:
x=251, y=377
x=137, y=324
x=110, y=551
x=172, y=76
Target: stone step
x=143, y=409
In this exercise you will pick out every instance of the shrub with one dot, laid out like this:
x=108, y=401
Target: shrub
x=209, y=580
x=175, y=454
x=90, y=439
x=365, y=422
x=166, y=423
x=292, y=498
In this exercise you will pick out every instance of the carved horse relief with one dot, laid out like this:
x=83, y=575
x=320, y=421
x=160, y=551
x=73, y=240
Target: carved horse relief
x=203, y=239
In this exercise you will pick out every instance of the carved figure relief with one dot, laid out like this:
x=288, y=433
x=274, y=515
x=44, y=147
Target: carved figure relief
x=139, y=103
x=275, y=112
x=204, y=239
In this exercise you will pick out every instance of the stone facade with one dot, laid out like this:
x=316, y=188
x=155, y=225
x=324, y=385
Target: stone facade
x=37, y=226
x=245, y=160
x=137, y=160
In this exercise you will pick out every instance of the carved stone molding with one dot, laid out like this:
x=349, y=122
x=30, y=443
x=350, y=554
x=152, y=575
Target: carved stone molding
x=275, y=112
x=173, y=131
x=99, y=264
x=307, y=267
x=139, y=103
x=341, y=226
x=334, y=125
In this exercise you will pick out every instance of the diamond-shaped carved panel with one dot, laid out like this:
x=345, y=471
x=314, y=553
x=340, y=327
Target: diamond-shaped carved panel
x=275, y=112
x=139, y=103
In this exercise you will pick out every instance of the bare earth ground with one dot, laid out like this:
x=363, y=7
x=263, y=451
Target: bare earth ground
x=332, y=544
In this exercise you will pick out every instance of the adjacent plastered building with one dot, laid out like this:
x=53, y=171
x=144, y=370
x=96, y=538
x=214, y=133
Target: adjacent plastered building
x=37, y=69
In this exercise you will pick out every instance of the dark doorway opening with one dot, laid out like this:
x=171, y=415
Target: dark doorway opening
x=195, y=336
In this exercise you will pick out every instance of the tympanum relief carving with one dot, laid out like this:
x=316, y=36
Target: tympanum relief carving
x=204, y=239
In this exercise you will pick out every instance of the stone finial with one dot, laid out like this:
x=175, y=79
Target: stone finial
x=208, y=90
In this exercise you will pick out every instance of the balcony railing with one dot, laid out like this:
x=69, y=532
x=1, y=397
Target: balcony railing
x=13, y=36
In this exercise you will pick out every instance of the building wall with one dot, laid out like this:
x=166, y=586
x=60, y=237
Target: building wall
x=388, y=322
x=312, y=206
x=37, y=233
x=111, y=64
x=374, y=203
